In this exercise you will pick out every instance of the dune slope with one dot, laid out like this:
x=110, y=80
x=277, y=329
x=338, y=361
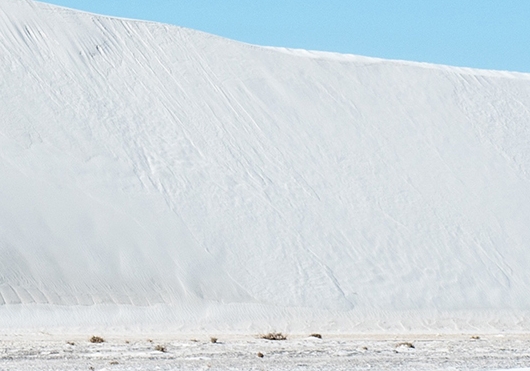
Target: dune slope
x=147, y=169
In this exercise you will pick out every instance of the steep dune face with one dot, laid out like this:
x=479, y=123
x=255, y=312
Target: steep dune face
x=143, y=164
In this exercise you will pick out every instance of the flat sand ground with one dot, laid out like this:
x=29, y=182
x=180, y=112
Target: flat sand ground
x=44, y=351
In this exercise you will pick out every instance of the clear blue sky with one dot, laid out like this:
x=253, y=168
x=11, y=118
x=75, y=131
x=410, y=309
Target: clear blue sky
x=492, y=34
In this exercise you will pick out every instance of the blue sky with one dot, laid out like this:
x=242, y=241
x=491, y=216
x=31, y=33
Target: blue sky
x=491, y=34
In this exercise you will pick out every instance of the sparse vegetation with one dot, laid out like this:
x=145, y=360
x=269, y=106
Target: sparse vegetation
x=260, y=355
x=405, y=345
x=274, y=336
x=161, y=348
x=475, y=337
x=70, y=343
x=113, y=362
x=97, y=339
x=318, y=336
x=213, y=340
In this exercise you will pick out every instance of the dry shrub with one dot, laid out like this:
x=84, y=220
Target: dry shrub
x=161, y=348
x=213, y=340
x=406, y=345
x=274, y=336
x=97, y=339
x=260, y=355
x=318, y=336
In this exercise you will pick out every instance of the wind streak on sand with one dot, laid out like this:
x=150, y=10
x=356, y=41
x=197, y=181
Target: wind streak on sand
x=159, y=176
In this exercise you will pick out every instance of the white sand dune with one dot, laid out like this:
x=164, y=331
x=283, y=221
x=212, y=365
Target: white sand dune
x=152, y=175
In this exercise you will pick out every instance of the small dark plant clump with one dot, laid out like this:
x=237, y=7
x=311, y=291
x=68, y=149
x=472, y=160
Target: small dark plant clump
x=274, y=336
x=318, y=336
x=475, y=337
x=213, y=340
x=161, y=348
x=406, y=345
x=70, y=343
x=97, y=339
x=260, y=355
x=113, y=362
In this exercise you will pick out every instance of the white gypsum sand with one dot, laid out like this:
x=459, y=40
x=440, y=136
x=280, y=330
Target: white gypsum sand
x=158, y=178
x=162, y=352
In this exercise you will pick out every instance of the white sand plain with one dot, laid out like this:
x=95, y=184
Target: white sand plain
x=240, y=352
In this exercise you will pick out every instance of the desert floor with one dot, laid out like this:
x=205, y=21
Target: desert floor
x=241, y=352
